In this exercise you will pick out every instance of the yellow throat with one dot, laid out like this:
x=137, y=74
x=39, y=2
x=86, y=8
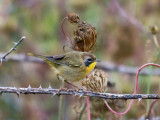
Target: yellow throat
x=90, y=68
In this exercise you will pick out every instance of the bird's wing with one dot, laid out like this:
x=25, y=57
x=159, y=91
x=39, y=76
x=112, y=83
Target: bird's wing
x=72, y=60
x=58, y=59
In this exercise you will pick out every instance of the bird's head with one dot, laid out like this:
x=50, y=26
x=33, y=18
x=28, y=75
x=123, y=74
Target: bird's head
x=89, y=59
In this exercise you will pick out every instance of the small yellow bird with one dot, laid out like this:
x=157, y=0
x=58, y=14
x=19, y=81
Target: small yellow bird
x=72, y=66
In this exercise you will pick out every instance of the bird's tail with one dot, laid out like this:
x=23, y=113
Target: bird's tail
x=44, y=58
x=35, y=55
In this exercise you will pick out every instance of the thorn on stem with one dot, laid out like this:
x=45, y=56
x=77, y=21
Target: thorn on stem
x=29, y=87
x=12, y=49
x=18, y=93
x=14, y=43
x=40, y=87
x=80, y=95
x=49, y=87
x=139, y=99
x=23, y=37
x=53, y=94
x=67, y=90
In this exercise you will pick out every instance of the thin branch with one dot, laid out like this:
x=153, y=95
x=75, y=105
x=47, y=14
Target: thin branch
x=106, y=66
x=12, y=49
x=23, y=58
x=74, y=92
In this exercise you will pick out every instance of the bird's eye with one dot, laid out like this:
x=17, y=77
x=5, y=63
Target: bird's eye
x=88, y=61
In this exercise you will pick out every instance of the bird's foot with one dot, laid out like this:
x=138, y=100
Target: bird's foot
x=61, y=89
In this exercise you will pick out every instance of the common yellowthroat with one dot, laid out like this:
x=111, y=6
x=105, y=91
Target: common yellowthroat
x=72, y=66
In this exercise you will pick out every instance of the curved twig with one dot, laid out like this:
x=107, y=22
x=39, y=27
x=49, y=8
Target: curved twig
x=64, y=32
x=135, y=90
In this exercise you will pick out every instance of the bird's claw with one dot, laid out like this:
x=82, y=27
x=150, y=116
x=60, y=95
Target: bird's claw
x=61, y=89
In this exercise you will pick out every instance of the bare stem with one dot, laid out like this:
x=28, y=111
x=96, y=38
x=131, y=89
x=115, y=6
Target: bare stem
x=156, y=41
x=64, y=32
x=12, y=49
x=74, y=92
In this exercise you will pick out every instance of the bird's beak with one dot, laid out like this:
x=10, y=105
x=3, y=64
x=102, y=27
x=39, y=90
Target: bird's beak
x=97, y=60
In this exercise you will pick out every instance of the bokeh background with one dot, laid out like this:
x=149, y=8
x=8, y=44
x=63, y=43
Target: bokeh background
x=124, y=37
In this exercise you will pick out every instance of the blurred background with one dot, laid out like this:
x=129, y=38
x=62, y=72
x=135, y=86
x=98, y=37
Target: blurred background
x=124, y=38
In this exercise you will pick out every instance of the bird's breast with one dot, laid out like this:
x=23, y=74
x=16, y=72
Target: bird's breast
x=90, y=68
x=74, y=73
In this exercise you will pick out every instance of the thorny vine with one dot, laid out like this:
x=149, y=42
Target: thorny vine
x=74, y=92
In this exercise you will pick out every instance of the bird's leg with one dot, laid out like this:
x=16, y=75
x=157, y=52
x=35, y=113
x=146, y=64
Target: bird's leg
x=77, y=88
x=59, y=80
x=71, y=84
x=60, y=89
